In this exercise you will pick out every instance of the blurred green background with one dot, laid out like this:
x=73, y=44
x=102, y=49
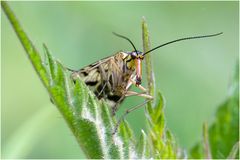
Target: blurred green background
x=192, y=75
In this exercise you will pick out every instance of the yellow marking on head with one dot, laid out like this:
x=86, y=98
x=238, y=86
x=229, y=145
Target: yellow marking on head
x=140, y=56
x=130, y=62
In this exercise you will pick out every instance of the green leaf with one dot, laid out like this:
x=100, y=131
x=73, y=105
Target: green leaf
x=234, y=152
x=197, y=152
x=50, y=62
x=143, y=146
x=89, y=119
x=128, y=146
x=224, y=132
x=162, y=142
x=27, y=44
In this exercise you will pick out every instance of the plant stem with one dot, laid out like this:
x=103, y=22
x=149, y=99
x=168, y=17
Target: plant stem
x=27, y=44
x=148, y=61
x=207, y=150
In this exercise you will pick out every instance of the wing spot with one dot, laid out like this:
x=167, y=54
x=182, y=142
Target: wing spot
x=84, y=73
x=114, y=98
x=91, y=83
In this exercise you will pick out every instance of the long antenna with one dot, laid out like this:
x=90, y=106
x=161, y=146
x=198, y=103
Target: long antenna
x=182, y=39
x=118, y=35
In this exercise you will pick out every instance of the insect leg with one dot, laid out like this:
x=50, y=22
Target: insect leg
x=138, y=86
x=131, y=93
x=143, y=94
x=114, y=65
x=114, y=109
x=127, y=112
x=105, y=79
x=115, y=76
x=104, y=86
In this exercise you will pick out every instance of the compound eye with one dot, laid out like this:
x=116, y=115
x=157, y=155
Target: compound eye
x=133, y=55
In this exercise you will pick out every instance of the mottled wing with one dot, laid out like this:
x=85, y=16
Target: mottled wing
x=92, y=74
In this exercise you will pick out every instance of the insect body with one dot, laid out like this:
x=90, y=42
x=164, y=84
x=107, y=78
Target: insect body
x=110, y=78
